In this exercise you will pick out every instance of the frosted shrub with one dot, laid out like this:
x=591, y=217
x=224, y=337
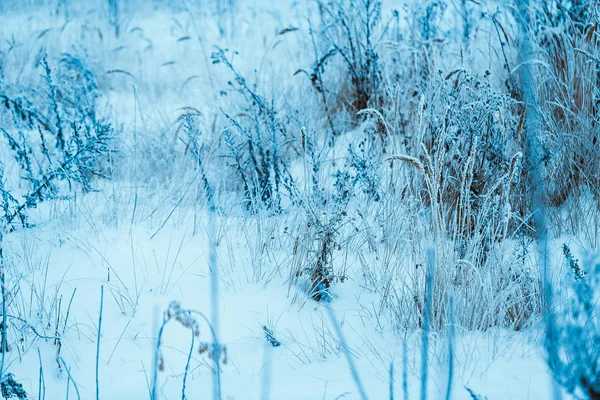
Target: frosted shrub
x=57, y=140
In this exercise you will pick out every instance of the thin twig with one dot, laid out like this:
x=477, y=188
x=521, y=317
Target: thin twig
x=3, y=344
x=214, y=298
x=405, y=369
x=41, y=383
x=391, y=379
x=450, y=348
x=187, y=365
x=98, y=341
x=70, y=377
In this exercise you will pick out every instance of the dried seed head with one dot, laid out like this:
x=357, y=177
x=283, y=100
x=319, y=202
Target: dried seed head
x=415, y=162
x=203, y=348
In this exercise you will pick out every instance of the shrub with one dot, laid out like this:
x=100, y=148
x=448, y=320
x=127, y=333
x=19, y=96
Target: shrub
x=253, y=141
x=65, y=114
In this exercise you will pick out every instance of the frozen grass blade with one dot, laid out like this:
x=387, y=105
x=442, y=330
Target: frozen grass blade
x=214, y=298
x=135, y=160
x=70, y=378
x=187, y=365
x=391, y=379
x=98, y=342
x=3, y=340
x=450, y=348
x=41, y=382
x=427, y=321
x=187, y=318
x=405, y=369
x=156, y=331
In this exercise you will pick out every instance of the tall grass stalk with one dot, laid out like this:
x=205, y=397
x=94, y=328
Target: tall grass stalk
x=450, y=348
x=3, y=340
x=41, y=381
x=391, y=380
x=70, y=378
x=187, y=365
x=405, y=369
x=214, y=297
x=98, y=337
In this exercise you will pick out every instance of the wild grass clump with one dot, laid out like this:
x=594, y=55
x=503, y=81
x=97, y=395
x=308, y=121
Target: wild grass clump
x=59, y=146
x=568, y=42
x=411, y=136
x=462, y=168
x=321, y=238
x=57, y=140
x=465, y=144
x=193, y=137
x=255, y=142
x=445, y=146
x=345, y=39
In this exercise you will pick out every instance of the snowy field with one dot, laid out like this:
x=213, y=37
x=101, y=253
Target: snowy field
x=261, y=199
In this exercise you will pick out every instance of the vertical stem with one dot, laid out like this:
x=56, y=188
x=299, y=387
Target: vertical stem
x=98, y=341
x=113, y=15
x=427, y=320
x=466, y=24
x=71, y=378
x=68, y=386
x=232, y=15
x=187, y=365
x=135, y=162
x=214, y=299
x=157, y=332
x=450, y=347
x=4, y=345
x=41, y=383
x=391, y=379
x=405, y=369
x=220, y=17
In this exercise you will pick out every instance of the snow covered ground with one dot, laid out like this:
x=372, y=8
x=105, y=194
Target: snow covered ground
x=144, y=238
x=141, y=276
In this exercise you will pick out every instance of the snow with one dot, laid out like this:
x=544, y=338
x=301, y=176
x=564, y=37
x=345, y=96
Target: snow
x=141, y=276
x=144, y=239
